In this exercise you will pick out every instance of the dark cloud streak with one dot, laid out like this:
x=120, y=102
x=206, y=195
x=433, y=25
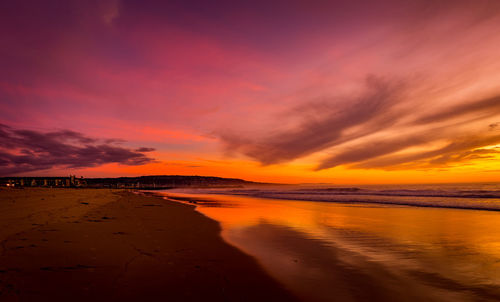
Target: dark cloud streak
x=27, y=150
x=459, y=150
x=324, y=126
x=371, y=150
x=489, y=106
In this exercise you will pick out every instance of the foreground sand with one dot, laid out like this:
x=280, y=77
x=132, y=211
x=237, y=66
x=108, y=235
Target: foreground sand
x=86, y=244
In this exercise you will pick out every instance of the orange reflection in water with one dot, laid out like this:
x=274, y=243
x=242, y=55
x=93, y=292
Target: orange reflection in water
x=321, y=250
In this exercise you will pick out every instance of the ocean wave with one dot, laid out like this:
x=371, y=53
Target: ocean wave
x=472, y=197
x=357, y=191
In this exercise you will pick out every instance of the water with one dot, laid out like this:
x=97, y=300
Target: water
x=464, y=196
x=366, y=243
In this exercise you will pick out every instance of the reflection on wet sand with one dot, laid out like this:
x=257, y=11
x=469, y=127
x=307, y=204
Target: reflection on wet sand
x=356, y=252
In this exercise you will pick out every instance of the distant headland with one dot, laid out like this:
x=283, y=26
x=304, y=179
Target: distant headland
x=150, y=182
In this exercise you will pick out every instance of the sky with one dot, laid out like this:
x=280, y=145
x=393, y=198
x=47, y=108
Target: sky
x=337, y=91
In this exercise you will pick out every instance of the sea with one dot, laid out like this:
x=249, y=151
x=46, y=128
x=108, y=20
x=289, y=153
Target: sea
x=365, y=243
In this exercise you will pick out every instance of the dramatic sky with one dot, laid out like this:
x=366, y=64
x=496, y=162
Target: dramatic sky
x=336, y=91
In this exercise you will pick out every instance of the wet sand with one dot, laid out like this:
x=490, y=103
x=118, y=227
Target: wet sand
x=86, y=244
x=363, y=252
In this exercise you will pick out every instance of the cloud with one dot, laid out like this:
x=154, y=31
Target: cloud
x=370, y=130
x=323, y=124
x=144, y=149
x=459, y=150
x=434, y=104
x=27, y=150
x=485, y=107
x=460, y=147
x=370, y=150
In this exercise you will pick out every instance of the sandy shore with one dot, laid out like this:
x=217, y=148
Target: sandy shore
x=85, y=244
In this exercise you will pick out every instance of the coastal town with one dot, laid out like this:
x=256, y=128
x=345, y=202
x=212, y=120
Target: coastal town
x=153, y=182
x=50, y=182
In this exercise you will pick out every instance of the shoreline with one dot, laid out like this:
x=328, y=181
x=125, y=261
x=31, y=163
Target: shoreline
x=293, y=197
x=369, y=253
x=120, y=246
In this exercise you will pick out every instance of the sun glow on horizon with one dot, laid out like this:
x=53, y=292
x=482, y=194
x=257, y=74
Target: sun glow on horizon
x=334, y=92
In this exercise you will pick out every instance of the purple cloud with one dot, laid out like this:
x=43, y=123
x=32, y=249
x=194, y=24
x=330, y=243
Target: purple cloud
x=324, y=125
x=329, y=125
x=27, y=150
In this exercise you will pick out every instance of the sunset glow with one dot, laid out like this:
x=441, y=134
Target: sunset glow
x=293, y=91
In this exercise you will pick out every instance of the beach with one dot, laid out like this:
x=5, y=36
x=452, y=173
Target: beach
x=212, y=245
x=100, y=244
